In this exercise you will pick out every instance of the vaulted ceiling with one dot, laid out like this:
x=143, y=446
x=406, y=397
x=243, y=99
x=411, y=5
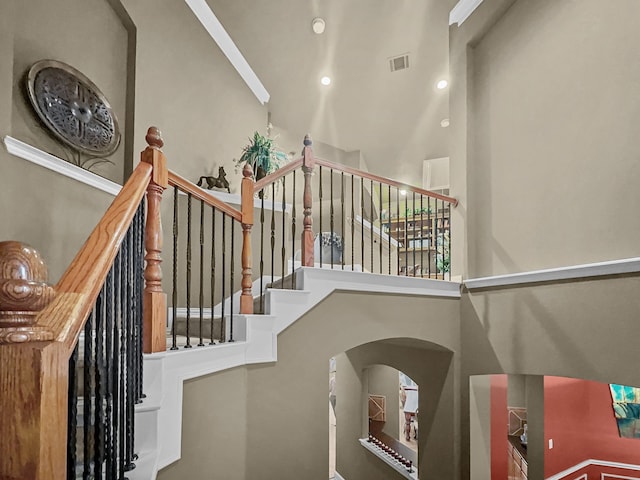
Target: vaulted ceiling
x=393, y=118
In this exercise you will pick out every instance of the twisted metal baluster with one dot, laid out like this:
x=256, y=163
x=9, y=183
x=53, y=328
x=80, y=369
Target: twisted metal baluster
x=110, y=467
x=331, y=213
x=261, y=251
x=213, y=272
x=389, y=232
x=283, y=250
x=320, y=224
x=233, y=262
x=88, y=454
x=201, y=297
x=224, y=269
x=99, y=420
x=397, y=230
x=273, y=230
x=188, y=345
x=342, y=214
x=72, y=424
x=413, y=216
x=422, y=236
x=353, y=224
x=371, y=221
x=362, y=259
x=380, y=217
x=293, y=233
x=130, y=355
x=174, y=294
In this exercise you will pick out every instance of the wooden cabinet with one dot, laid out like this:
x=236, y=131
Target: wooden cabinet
x=517, y=462
x=423, y=243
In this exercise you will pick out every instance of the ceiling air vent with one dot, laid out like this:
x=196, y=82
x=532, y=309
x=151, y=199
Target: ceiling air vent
x=399, y=63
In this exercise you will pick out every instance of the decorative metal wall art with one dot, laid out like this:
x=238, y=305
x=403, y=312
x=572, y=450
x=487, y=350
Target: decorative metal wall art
x=73, y=108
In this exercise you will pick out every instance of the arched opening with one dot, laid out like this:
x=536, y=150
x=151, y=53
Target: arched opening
x=370, y=382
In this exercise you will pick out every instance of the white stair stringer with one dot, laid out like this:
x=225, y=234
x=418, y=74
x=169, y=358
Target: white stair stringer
x=159, y=417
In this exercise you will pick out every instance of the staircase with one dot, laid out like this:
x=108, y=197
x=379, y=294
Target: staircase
x=159, y=418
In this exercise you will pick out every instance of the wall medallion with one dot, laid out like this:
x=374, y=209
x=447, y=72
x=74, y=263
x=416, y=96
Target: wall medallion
x=73, y=108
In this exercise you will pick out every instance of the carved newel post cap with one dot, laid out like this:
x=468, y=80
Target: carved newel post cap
x=154, y=138
x=307, y=140
x=247, y=171
x=23, y=288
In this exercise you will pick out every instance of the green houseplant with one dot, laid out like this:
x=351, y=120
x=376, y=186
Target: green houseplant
x=263, y=156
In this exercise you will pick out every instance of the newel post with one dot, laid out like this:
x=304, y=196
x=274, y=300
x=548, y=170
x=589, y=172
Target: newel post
x=33, y=371
x=308, y=165
x=246, y=299
x=154, y=299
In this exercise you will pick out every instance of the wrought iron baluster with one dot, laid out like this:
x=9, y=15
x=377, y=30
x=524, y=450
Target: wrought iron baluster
x=261, y=251
x=293, y=233
x=110, y=452
x=87, y=394
x=174, y=294
x=432, y=238
x=353, y=224
x=224, y=269
x=389, y=231
x=449, y=237
x=371, y=222
x=362, y=259
x=188, y=328
x=319, y=235
x=98, y=414
x=213, y=272
x=331, y=214
x=273, y=230
x=380, y=217
x=284, y=217
x=438, y=239
x=72, y=423
x=201, y=297
x=413, y=217
x=139, y=255
x=231, y=284
x=342, y=215
x=422, y=237
x=401, y=241
x=130, y=355
x=406, y=235
x=121, y=362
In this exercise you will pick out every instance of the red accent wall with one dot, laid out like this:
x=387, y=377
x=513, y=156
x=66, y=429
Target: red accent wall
x=498, y=427
x=578, y=417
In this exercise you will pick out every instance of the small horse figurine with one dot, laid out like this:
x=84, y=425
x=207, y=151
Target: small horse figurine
x=215, y=182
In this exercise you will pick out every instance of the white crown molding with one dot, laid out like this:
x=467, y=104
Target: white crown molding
x=215, y=29
x=462, y=11
x=35, y=155
x=614, y=267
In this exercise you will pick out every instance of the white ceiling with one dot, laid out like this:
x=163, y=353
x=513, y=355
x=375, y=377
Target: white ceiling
x=392, y=118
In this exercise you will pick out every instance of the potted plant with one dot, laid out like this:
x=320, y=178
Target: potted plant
x=262, y=155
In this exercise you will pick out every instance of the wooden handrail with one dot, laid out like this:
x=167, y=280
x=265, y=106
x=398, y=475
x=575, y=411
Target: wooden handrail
x=186, y=186
x=278, y=174
x=87, y=272
x=387, y=181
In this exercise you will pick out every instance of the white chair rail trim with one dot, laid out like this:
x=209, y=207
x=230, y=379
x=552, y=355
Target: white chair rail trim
x=613, y=267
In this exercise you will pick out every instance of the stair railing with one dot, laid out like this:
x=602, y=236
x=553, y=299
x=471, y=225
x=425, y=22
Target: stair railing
x=208, y=293
x=55, y=389
x=350, y=220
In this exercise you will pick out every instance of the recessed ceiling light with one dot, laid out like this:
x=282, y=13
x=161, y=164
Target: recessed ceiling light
x=442, y=84
x=317, y=24
x=403, y=192
x=444, y=123
x=325, y=81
